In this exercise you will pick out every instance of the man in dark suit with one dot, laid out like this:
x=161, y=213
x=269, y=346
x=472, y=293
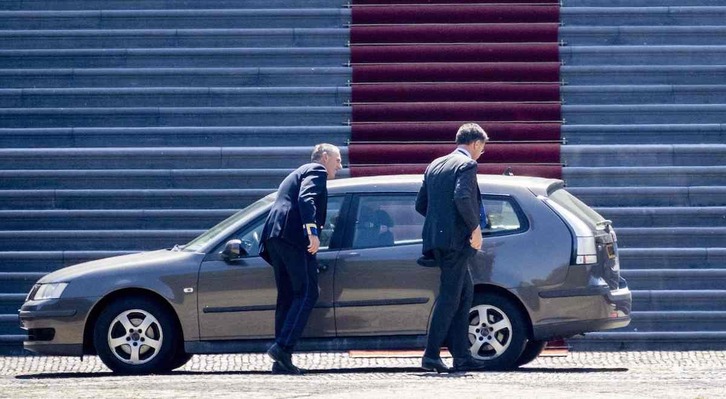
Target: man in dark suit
x=289, y=242
x=451, y=203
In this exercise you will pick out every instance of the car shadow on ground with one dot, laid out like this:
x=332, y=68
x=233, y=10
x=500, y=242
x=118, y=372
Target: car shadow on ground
x=354, y=370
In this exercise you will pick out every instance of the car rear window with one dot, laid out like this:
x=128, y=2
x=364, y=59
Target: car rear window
x=574, y=205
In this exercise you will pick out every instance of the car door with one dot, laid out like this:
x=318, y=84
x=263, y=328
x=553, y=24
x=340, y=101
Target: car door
x=379, y=287
x=237, y=299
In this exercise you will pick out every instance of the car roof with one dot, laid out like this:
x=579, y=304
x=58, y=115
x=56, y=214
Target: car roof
x=408, y=183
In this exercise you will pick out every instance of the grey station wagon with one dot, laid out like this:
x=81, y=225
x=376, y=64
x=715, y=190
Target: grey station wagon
x=548, y=269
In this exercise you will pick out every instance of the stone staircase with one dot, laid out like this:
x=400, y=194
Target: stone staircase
x=128, y=125
x=644, y=127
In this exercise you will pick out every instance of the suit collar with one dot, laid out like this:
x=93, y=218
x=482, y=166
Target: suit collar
x=462, y=151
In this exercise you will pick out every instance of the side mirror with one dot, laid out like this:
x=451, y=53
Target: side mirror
x=233, y=250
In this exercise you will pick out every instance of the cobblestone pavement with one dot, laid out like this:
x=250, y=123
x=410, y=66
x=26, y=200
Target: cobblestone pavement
x=339, y=375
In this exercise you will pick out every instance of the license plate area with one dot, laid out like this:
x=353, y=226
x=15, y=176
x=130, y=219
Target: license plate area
x=610, y=249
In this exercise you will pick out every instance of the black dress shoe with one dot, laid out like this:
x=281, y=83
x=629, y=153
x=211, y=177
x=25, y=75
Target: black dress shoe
x=468, y=364
x=436, y=365
x=284, y=359
x=278, y=368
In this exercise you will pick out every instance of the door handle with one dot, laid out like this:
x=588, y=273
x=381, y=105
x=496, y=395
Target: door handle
x=349, y=255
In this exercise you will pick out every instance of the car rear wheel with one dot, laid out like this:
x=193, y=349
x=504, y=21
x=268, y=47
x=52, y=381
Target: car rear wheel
x=497, y=331
x=136, y=336
x=181, y=358
x=531, y=351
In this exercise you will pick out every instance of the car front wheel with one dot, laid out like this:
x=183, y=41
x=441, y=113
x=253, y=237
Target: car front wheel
x=497, y=331
x=136, y=336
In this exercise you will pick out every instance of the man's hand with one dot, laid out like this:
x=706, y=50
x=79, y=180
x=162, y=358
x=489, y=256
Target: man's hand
x=475, y=239
x=315, y=243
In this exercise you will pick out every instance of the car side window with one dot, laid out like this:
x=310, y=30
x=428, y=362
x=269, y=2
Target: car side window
x=503, y=216
x=386, y=220
x=251, y=234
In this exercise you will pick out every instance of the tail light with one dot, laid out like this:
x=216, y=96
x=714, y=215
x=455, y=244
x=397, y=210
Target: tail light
x=584, y=250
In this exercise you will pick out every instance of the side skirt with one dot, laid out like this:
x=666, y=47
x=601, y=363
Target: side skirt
x=310, y=344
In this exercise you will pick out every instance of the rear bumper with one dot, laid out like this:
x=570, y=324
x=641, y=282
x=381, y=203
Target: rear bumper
x=597, y=309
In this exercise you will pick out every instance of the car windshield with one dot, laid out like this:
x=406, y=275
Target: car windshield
x=579, y=208
x=201, y=241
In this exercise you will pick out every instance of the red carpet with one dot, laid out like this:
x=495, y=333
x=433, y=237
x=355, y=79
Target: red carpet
x=422, y=68
x=428, y=92
x=454, y=33
x=454, y=13
x=458, y=72
x=441, y=131
x=455, y=111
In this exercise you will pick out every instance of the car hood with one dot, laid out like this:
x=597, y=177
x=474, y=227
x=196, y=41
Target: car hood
x=118, y=264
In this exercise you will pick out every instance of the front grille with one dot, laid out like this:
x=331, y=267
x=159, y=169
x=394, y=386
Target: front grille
x=41, y=334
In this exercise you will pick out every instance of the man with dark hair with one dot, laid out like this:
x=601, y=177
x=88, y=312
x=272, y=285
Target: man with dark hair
x=450, y=201
x=289, y=242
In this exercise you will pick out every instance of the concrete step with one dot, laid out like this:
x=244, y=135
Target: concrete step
x=176, y=57
x=159, y=38
x=679, y=300
x=644, y=155
x=672, y=258
x=18, y=281
x=650, y=341
x=141, y=179
x=675, y=279
x=673, y=237
x=671, y=15
x=173, y=116
x=179, y=18
x=651, y=196
x=644, y=94
x=644, y=114
x=677, y=321
x=176, y=77
x=254, y=137
x=89, y=240
x=636, y=3
x=9, y=326
x=121, y=219
x=163, y=4
x=130, y=199
x=649, y=216
x=48, y=261
x=10, y=302
x=625, y=176
x=594, y=134
x=175, y=97
x=157, y=157
x=642, y=55
x=642, y=35
x=641, y=74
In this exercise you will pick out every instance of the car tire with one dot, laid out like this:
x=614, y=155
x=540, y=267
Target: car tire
x=531, y=351
x=497, y=331
x=136, y=336
x=180, y=358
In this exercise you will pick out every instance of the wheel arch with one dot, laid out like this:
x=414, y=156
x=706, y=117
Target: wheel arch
x=88, y=344
x=505, y=293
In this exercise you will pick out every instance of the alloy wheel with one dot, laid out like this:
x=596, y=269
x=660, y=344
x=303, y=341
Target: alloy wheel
x=135, y=337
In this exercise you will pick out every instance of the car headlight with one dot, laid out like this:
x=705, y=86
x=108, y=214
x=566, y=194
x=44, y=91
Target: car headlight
x=47, y=291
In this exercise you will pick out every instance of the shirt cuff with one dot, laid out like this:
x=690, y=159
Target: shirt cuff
x=311, y=229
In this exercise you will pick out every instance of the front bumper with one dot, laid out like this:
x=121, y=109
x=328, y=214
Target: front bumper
x=55, y=326
x=597, y=308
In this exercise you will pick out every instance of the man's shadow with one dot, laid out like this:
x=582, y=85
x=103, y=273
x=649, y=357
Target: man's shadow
x=355, y=370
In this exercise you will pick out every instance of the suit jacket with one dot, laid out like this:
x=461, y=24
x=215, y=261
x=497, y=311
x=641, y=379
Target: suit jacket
x=301, y=203
x=450, y=200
